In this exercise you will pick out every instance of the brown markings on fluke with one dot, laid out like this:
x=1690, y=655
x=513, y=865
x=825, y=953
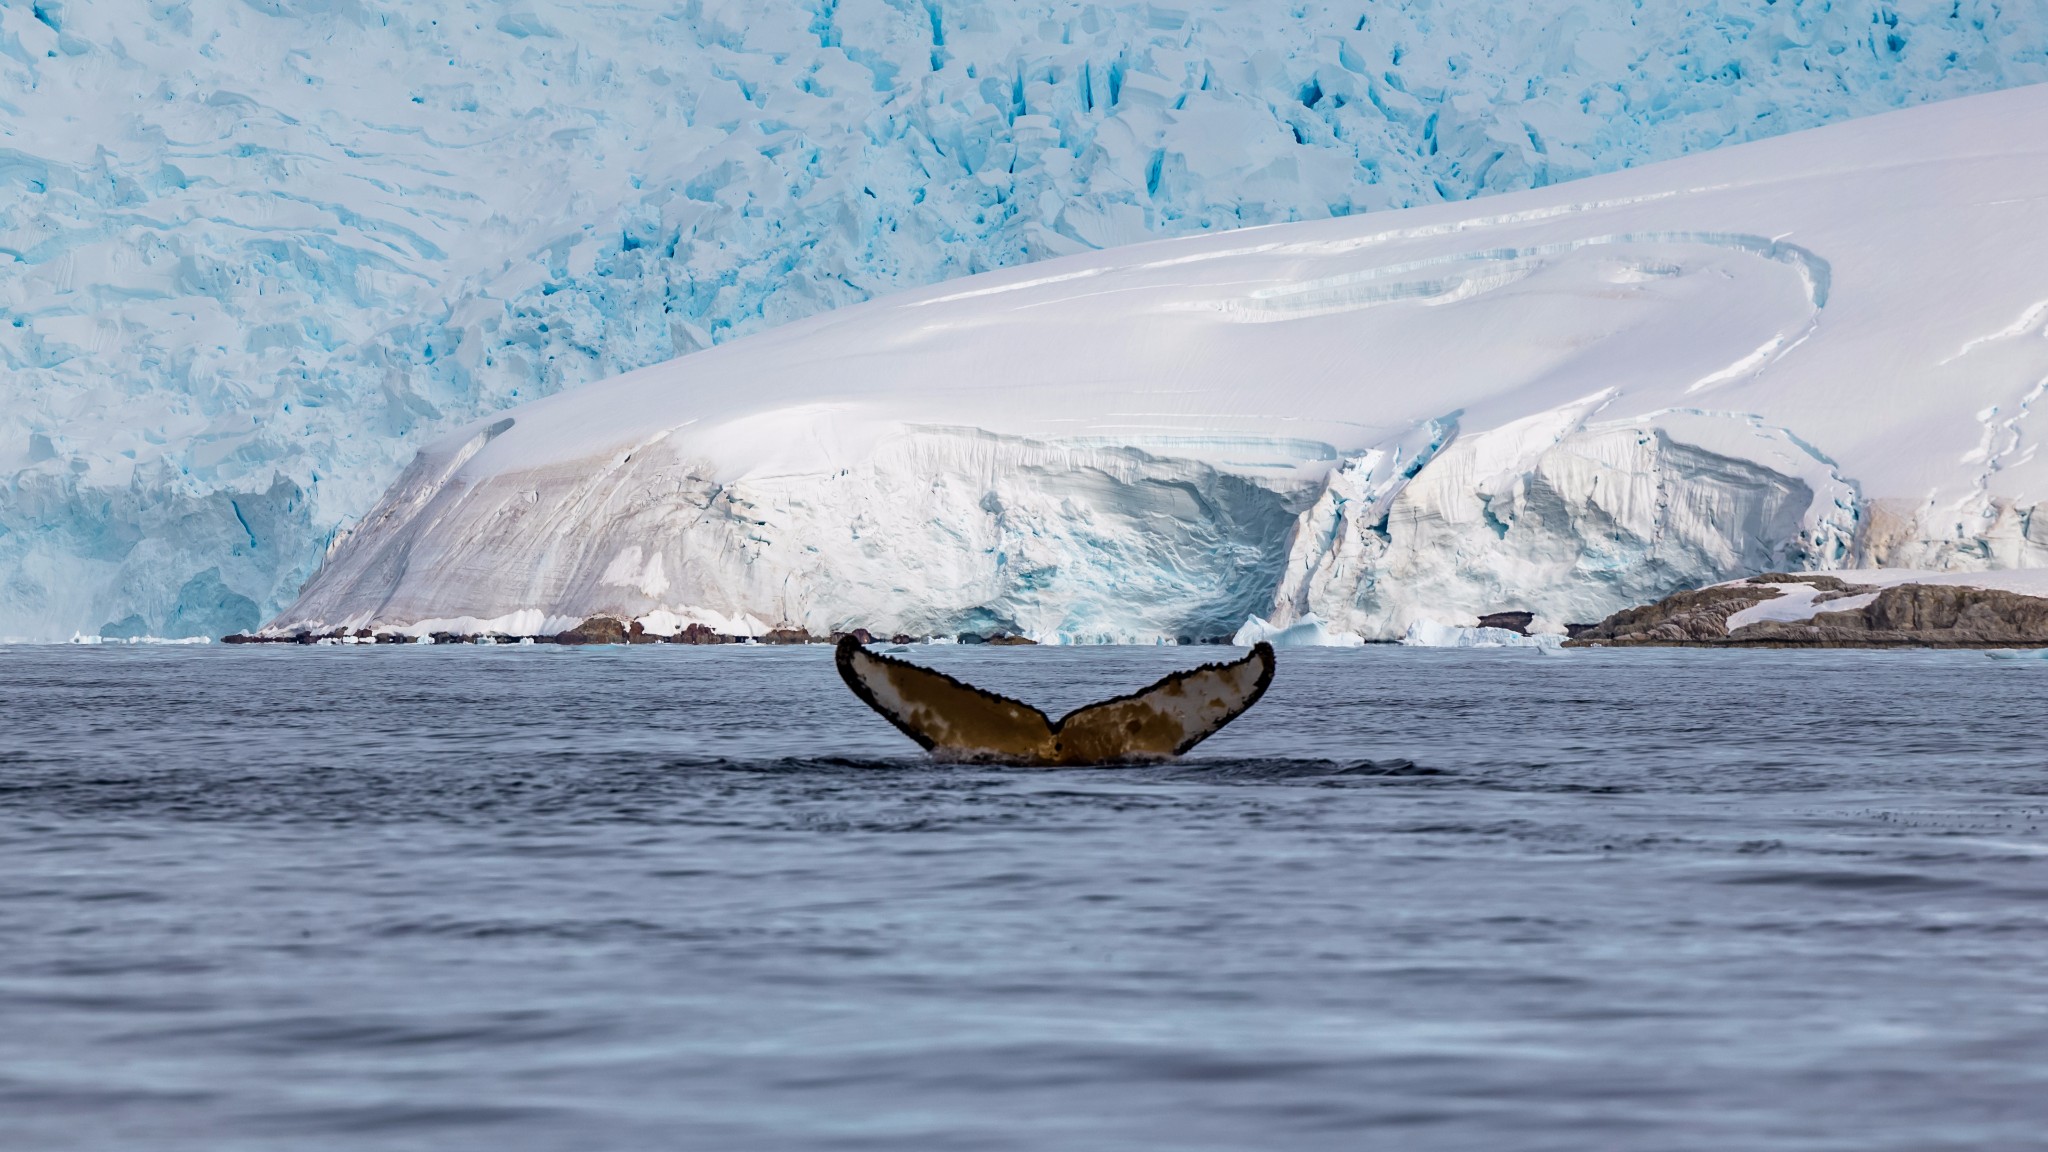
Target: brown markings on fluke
x=957, y=721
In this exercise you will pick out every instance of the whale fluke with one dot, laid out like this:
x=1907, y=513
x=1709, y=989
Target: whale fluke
x=957, y=721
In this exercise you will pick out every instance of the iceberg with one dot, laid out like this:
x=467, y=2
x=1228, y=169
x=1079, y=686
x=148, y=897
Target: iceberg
x=1814, y=352
x=1308, y=632
x=1431, y=634
x=253, y=256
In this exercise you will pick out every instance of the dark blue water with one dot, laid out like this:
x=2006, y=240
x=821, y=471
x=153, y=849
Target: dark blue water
x=473, y=898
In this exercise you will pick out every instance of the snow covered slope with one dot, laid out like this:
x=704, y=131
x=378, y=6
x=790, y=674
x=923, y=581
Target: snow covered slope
x=1816, y=351
x=253, y=253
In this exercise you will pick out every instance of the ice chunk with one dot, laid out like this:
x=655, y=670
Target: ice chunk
x=1307, y=632
x=1431, y=634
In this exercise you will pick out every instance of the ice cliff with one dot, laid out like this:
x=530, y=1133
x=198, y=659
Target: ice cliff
x=1818, y=351
x=253, y=254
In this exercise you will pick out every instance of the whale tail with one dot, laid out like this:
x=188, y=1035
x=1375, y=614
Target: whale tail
x=954, y=720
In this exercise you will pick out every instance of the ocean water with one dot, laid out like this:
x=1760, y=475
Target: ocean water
x=474, y=898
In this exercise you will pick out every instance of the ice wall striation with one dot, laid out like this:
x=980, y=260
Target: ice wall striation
x=1818, y=351
x=937, y=531
x=253, y=254
x=1563, y=519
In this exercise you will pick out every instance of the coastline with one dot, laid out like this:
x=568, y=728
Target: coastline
x=1873, y=608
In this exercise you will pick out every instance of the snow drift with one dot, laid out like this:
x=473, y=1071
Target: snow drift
x=1812, y=352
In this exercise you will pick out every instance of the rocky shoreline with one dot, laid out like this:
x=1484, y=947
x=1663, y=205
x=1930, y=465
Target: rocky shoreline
x=601, y=630
x=1870, y=615
x=1875, y=608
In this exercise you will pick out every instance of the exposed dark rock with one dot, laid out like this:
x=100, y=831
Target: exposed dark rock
x=699, y=634
x=786, y=636
x=596, y=630
x=1574, y=631
x=1516, y=622
x=1917, y=615
x=1906, y=615
x=1681, y=618
x=1010, y=639
x=1833, y=587
x=902, y=638
x=1982, y=611
x=860, y=636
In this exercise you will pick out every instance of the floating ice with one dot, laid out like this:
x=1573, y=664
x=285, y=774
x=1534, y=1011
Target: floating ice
x=1431, y=634
x=2018, y=653
x=1307, y=632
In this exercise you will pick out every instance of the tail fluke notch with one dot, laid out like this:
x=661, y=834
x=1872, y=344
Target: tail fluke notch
x=954, y=720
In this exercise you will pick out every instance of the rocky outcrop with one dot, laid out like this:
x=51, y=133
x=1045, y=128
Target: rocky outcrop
x=1902, y=616
x=1516, y=622
x=1699, y=617
x=1917, y=615
x=596, y=630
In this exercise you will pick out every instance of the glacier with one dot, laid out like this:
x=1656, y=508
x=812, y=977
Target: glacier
x=254, y=254
x=1818, y=351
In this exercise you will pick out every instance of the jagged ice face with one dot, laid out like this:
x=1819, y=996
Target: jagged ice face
x=253, y=254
